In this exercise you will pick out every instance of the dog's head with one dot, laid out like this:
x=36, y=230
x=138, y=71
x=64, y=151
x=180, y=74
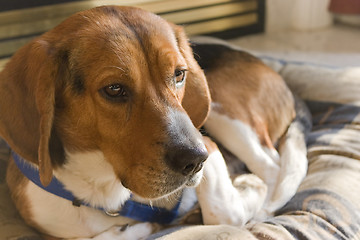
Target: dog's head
x=115, y=79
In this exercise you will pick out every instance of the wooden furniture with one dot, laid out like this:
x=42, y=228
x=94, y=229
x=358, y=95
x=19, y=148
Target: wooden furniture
x=22, y=20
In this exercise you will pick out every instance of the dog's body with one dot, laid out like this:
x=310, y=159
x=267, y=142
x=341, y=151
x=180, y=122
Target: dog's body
x=251, y=112
x=100, y=102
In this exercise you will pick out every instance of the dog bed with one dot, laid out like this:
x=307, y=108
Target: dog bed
x=327, y=204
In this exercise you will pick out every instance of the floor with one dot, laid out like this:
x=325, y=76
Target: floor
x=338, y=45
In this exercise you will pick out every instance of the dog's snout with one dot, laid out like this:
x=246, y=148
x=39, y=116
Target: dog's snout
x=185, y=150
x=186, y=160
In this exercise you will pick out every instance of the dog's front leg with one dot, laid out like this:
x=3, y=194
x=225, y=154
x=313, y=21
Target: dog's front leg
x=134, y=232
x=242, y=141
x=223, y=201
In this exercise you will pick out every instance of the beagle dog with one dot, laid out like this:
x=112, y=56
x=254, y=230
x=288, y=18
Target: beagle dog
x=102, y=115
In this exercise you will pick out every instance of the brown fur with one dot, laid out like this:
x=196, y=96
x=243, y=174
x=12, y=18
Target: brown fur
x=210, y=145
x=249, y=84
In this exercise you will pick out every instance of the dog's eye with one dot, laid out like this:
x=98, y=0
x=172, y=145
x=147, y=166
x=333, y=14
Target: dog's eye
x=179, y=77
x=116, y=92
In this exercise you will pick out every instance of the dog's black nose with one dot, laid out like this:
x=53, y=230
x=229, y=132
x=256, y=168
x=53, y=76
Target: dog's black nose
x=185, y=151
x=186, y=159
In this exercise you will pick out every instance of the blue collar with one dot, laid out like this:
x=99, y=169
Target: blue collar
x=131, y=209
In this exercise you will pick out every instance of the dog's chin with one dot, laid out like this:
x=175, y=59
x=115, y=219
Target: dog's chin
x=195, y=179
x=169, y=190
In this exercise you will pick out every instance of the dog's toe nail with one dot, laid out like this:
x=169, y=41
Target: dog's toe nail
x=124, y=227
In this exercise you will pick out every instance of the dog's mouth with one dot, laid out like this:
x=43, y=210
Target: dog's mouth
x=163, y=184
x=190, y=181
x=195, y=179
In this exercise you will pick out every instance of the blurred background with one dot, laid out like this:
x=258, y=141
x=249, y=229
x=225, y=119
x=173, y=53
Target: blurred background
x=325, y=32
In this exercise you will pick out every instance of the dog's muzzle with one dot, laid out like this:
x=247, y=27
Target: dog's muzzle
x=186, y=160
x=185, y=152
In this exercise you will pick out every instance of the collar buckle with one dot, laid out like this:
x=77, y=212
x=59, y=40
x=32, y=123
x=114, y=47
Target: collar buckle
x=112, y=213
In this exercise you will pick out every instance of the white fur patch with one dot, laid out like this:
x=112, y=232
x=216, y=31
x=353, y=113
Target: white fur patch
x=224, y=203
x=135, y=232
x=294, y=165
x=58, y=217
x=90, y=177
x=189, y=199
x=242, y=141
x=282, y=173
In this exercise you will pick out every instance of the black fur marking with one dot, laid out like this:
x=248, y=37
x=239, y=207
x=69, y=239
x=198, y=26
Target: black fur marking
x=78, y=82
x=75, y=75
x=208, y=55
x=109, y=10
x=56, y=149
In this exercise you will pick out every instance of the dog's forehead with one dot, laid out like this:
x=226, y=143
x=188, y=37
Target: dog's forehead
x=152, y=34
x=129, y=33
x=134, y=24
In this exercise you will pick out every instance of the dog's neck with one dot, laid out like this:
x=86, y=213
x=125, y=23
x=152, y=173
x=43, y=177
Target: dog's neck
x=97, y=186
x=90, y=178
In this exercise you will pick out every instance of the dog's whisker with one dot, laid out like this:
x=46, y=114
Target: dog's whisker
x=151, y=203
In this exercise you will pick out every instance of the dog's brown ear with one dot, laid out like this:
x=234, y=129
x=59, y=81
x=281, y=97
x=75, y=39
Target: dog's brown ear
x=196, y=100
x=27, y=98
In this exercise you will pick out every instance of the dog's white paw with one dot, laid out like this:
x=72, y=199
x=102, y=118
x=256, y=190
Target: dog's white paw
x=135, y=232
x=253, y=190
x=236, y=203
x=270, y=174
x=263, y=215
x=251, y=182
